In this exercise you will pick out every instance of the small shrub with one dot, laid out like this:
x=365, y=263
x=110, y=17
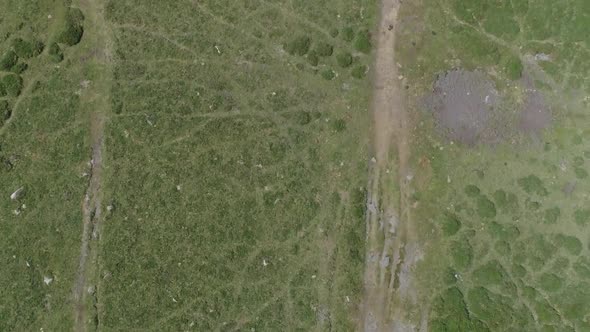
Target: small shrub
x=450, y=224
x=328, y=74
x=462, y=254
x=518, y=271
x=582, y=216
x=324, y=49
x=4, y=111
x=339, y=125
x=348, y=34
x=579, y=161
x=8, y=60
x=13, y=84
x=532, y=205
x=532, y=185
x=550, y=282
x=55, y=53
x=344, y=59
x=471, y=190
x=491, y=273
x=313, y=58
x=359, y=72
x=362, y=42
x=72, y=30
x=19, y=68
x=485, y=207
x=571, y=243
x=303, y=118
x=334, y=32
x=513, y=67
x=26, y=49
x=2, y=90
x=298, y=46
x=551, y=215
x=582, y=268
x=503, y=248
x=580, y=173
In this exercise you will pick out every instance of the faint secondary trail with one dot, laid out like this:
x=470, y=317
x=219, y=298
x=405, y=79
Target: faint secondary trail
x=95, y=100
x=390, y=251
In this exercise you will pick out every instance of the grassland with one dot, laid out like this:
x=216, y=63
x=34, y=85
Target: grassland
x=505, y=225
x=233, y=164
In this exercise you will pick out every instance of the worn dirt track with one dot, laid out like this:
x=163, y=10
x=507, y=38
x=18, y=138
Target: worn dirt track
x=389, y=258
x=96, y=102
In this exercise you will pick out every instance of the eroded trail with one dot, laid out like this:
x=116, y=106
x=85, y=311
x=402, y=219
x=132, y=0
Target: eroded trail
x=391, y=252
x=94, y=99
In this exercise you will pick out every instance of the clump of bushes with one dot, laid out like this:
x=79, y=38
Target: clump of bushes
x=582, y=216
x=485, y=207
x=507, y=202
x=462, y=254
x=339, y=125
x=4, y=111
x=551, y=215
x=324, y=49
x=450, y=224
x=55, y=53
x=344, y=59
x=19, y=68
x=313, y=58
x=580, y=173
x=550, y=282
x=298, y=46
x=532, y=185
x=328, y=74
x=471, y=190
x=491, y=273
x=571, y=243
x=513, y=67
x=26, y=49
x=362, y=42
x=348, y=34
x=13, y=84
x=73, y=29
x=8, y=60
x=359, y=72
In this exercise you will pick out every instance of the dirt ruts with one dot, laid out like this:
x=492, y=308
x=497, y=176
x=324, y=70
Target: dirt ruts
x=391, y=248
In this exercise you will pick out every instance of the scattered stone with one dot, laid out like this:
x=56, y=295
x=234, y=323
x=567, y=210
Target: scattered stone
x=47, y=280
x=17, y=194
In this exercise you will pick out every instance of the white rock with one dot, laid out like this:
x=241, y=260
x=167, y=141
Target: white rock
x=47, y=280
x=17, y=194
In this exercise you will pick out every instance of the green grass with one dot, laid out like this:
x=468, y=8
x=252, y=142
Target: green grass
x=522, y=233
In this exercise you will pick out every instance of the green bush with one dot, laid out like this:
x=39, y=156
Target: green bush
x=507, y=202
x=334, y=32
x=513, y=67
x=9, y=59
x=339, y=125
x=2, y=89
x=550, y=282
x=471, y=190
x=580, y=173
x=491, y=273
x=55, y=53
x=582, y=216
x=518, y=271
x=582, y=267
x=72, y=30
x=362, y=42
x=462, y=254
x=551, y=215
x=298, y=46
x=19, y=68
x=503, y=248
x=344, y=59
x=485, y=207
x=313, y=58
x=450, y=224
x=348, y=34
x=324, y=49
x=571, y=243
x=4, y=111
x=532, y=185
x=26, y=49
x=359, y=72
x=13, y=84
x=328, y=74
